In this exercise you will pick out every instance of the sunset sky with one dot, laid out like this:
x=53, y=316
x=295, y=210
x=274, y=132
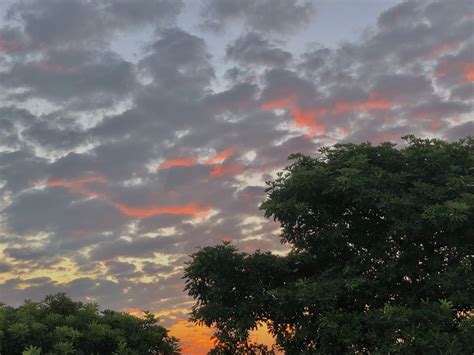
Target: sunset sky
x=133, y=132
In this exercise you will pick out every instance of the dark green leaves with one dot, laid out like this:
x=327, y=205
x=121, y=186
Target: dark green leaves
x=58, y=325
x=382, y=251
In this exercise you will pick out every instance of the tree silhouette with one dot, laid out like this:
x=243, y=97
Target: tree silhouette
x=58, y=325
x=381, y=257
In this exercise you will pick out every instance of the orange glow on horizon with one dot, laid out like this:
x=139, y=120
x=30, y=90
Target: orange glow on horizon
x=193, y=339
x=182, y=162
x=197, y=340
x=191, y=209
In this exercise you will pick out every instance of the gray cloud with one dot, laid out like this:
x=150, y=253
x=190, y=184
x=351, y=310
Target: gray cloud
x=279, y=16
x=52, y=23
x=73, y=108
x=84, y=79
x=252, y=48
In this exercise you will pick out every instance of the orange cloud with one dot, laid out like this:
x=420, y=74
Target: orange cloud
x=79, y=186
x=190, y=161
x=221, y=170
x=221, y=157
x=190, y=209
x=172, y=163
x=462, y=69
x=469, y=71
x=307, y=118
x=303, y=118
x=284, y=102
x=374, y=102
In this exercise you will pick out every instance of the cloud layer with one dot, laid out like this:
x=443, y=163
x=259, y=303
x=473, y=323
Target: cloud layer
x=126, y=142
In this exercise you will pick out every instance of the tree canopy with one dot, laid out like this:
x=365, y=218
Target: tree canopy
x=58, y=325
x=381, y=256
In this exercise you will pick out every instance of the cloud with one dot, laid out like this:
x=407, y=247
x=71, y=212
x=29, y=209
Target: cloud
x=127, y=13
x=253, y=49
x=180, y=162
x=80, y=185
x=130, y=137
x=179, y=63
x=84, y=22
x=275, y=16
x=82, y=78
x=190, y=209
x=141, y=248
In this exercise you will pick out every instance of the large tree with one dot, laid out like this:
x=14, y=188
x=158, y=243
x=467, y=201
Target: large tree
x=58, y=325
x=381, y=255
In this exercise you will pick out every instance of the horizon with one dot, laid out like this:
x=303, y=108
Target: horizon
x=135, y=132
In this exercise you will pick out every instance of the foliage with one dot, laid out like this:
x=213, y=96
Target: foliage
x=58, y=325
x=381, y=255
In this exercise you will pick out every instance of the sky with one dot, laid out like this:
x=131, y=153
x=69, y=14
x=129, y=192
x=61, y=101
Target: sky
x=133, y=132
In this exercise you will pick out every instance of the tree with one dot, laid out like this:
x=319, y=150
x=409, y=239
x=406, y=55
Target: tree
x=381, y=255
x=58, y=325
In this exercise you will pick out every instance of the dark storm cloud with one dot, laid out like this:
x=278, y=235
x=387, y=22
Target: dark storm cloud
x=279, y=16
